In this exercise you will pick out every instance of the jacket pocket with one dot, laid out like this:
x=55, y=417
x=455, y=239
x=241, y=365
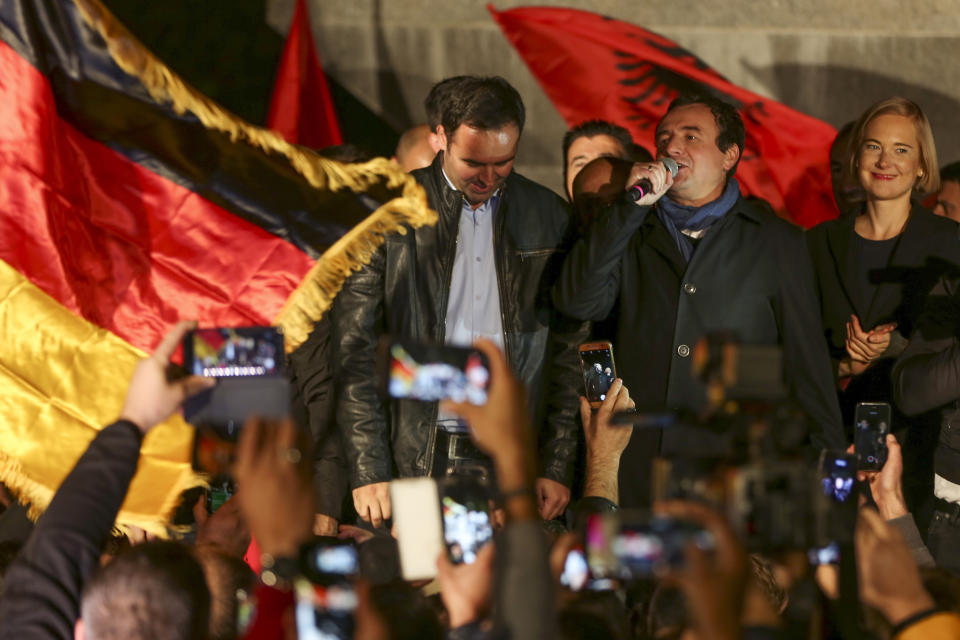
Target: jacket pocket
x=530, y=254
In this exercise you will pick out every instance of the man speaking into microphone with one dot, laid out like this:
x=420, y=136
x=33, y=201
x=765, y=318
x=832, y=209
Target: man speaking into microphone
x=688, y=255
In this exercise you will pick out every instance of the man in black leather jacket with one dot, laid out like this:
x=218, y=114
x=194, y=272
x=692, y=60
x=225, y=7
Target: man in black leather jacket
x=484, y=270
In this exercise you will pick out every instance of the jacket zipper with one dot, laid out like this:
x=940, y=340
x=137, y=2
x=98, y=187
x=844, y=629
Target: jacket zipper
x=499, y=256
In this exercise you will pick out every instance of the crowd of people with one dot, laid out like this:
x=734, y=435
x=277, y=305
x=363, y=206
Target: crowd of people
x=654, y=257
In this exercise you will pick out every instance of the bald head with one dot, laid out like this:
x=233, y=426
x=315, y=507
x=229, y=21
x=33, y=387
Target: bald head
x=416, y=148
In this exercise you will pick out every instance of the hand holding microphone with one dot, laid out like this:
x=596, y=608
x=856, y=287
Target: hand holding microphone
x=649, y=180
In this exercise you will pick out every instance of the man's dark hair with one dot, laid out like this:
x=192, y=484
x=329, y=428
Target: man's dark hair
x=481, y=102
x=594, y=615
x=154, y=590
x=406, y=613
x=592, y=128
x=639, y=153
x=435, y=102
x=667, y=615
x=729, y=123
x=950, y=173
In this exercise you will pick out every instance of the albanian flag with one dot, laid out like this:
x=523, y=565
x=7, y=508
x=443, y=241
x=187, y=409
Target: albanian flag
x=597, y=67
x=301, y=109
x=128, y=201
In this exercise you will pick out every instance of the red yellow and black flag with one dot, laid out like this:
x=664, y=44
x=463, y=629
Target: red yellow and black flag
x=129, y=201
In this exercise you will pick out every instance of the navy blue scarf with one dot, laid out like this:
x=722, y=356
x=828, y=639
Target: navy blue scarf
x=678, y=217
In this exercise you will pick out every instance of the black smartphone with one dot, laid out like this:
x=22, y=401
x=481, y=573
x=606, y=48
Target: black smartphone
x=465, y=514
x=248, y=363
x=429, y=372
x=234, y=352
x=325, y=598
x=871, y=425
x=835, y=512
x=599, y=370
x=635, y=545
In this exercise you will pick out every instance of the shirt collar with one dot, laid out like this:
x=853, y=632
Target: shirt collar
x=490, y=201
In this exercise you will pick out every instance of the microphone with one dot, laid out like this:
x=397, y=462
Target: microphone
x=642, y=188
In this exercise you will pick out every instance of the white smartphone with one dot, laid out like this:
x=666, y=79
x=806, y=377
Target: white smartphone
x=415, y=506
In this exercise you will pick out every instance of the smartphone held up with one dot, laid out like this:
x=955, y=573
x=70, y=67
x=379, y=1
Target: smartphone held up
x=248, y=363
x=599, y=371
x=431, y=517
x=430, y=372
x=871, y=426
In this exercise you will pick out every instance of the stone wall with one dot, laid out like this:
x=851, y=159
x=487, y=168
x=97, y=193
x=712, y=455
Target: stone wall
x=827, y=58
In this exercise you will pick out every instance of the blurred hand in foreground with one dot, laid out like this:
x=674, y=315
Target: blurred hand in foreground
x=605, y=442
x=714, y=584
x=151, y=396
x=274, y=485
x=888, y=575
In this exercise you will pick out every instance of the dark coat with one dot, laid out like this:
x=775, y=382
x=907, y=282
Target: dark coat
x=42, y=588
x=927, y=249
x=926, y=376
x=750, y=275
x=404, y=292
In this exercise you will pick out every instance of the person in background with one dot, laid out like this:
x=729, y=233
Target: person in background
x=590, y=140
x=874, y=269
x=847, y=193
x=926, y=378
x=948, y=198
x=416, y=148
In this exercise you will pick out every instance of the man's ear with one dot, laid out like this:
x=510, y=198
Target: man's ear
x=78, y=632
x=731, y=156
x=442, y=137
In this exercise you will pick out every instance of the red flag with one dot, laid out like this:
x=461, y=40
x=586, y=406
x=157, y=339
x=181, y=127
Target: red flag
x=596, y=67
x=301, y=109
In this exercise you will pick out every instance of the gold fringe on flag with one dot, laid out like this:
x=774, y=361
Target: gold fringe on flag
x=315, y=294
x=65, y=377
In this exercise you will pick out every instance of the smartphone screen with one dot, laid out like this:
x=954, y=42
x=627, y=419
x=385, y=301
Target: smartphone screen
x=221, y=489
x=829, y=554
x=465, y=513
x=836, y=515
x=641, y=544
x=333, y=562
x=325, y=597
x=325, y=611
x=234, y=352
x=576, y=572
x=436, y=372
x=872, y=424
x=596, y=363
x=838, y=474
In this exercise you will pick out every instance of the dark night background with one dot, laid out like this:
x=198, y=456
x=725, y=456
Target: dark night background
x=225, y=49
